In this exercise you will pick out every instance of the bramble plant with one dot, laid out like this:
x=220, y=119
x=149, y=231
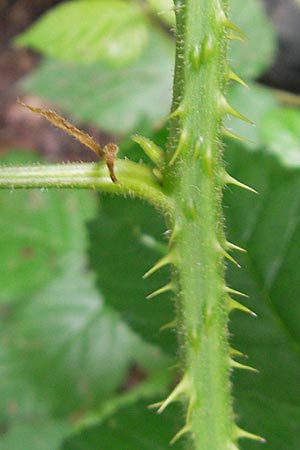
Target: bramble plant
x=75, y=272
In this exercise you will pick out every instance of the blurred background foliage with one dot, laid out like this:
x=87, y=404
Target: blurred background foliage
x=81, y=351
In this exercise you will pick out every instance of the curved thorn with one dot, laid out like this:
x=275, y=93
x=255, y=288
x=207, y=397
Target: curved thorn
x=234, y=77
x=233, y=304
x=167, y=259
x=235, y=37
x=233, y=291
x=230, y=180
x=232, y=135
x=184, y=430
x=166, y=288
x=231, y=26
x=235, y=352
x=226, y=254
x=228, y=109
x=235, y=247
x=154, y=405
x=168, y=325
x=180, y=389
x=237, y=365
x=241, y=434
x=190, y=407
x=230, y=258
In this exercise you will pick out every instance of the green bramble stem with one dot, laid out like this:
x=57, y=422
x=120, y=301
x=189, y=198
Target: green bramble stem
x=194, y=178
x=134, y=179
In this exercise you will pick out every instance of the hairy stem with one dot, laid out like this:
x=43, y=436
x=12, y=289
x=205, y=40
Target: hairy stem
x=194, y=179
x=133, y=179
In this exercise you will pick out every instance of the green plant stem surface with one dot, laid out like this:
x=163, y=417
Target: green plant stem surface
x=194, y=178
x=133, y=179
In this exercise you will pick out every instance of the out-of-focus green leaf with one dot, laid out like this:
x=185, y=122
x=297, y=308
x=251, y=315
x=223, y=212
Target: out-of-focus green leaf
x=165, y=10
x=254, y=103
x=65, y=353
x=126, y=241
x=114, y=31
x=117, y=100
x=18, y=397
x=268, y=226
x=36, y=229
x=73, y=348
x=253, y=56
x=131, y=428
x=42, y=435
x=156, y=386
x=280, y=131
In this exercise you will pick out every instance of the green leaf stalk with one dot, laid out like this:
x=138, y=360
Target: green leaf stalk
x=134, y=179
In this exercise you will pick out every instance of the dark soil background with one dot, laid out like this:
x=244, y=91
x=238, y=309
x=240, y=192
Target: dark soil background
x=22, y=129
x=285, y=71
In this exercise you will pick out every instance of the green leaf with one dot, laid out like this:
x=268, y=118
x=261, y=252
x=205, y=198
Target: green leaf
x=250, y=58
x=164, y=9
x=267, y=225
x=131, y=428
x=280, y=131
x=254, y=103
x=86, y=31
x=116, y=100
x=126, y=240
x=154, y=387
x=18, y=397
x=73, y=349
x=36, y=229
x=42, y=435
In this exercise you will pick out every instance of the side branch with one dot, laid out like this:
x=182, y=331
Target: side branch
x=134, y=179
